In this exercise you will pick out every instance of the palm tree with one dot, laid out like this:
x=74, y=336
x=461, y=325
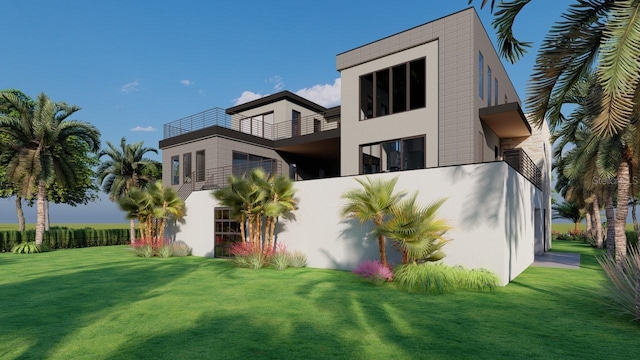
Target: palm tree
x=373, y=203
x=280, y=201
x=570, y=211
x=416, y=229
x=125, y=169
x=166, y=205
x=34, y=158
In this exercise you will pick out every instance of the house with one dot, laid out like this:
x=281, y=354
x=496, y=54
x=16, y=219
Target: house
x=432, y=105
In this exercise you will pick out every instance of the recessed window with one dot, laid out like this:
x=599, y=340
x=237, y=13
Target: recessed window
x=496, y=91
x=295, y=123
x=186, y=168
x=175, y=170
x=393, y=90
x=488, y=86
x=259, y=125
x=393, y=155
x=481, y=76
x=226, y=232
x=200, y=165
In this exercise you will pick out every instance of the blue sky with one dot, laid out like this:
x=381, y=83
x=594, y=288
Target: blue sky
x=133, y=66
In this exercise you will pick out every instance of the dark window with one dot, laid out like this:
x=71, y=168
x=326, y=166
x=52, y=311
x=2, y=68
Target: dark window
x=258, y=125
x=200, y=165
x=317, y=125
x=226, y=232
x=244, y=163
x=394, y=155
x=496, y=152
x=496, y=92
x=175, y=170
x=397, y=89
x=480, y=76
x=186, y=168
x=488, y=86
x=293, y=171
x=295, y=123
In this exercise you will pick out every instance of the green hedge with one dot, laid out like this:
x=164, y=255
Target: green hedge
x=632, y=237
x=63, y=238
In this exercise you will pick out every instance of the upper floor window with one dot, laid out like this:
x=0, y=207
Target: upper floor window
x=393, y=90
x=200, y=165
x=488, y=86
x=186, y=168
x=496, y=91
x=295, y=123
x=481, y=76
x=175, y=170
x=258, y=125
x=393, y=155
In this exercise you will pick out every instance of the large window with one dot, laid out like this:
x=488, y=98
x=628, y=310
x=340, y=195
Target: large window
x=175, y=170
x=481, y=76
x=259, y=125
x=393, y=155
x=393, y=90
x=496, y=92
x=226, y=232
x=244, y=163
x=295, y=123
x=200, y=165
x=186, y=168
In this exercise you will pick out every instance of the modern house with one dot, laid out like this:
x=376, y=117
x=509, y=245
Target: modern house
x=432, y=105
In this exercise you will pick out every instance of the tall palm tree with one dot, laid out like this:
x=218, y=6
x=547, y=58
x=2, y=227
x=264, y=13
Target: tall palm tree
x=416, y=229
x=373, y=203
x=34, y=157
x=280, y=201
x=166, y=205
x=125, y=169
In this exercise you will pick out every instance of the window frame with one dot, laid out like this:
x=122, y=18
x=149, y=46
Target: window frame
x=175, y=170
x=374, y=106
x=402, y=153
x=200, y=166
x=489, y=86
x=480, y=75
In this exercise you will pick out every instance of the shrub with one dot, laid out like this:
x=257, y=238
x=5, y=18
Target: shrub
x=280, y=258
x=439, y=278
x=244, y=256
x=29, y=247
x=297, y=259
x=374, y=272
x=624, y=288
x=180, y=249
x=165, y=251
x=143, y=250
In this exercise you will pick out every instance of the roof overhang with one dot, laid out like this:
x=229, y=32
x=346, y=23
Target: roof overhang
x=506, y=120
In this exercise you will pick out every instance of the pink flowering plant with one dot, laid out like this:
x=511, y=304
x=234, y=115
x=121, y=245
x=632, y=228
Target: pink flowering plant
x=374, y=272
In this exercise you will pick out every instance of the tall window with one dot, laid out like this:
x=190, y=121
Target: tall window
x=496, y=91
x=186, y=168
x=175, y=170
x=481, y=76
x=244, y=163
x=393, y=155
x=393, y=90
x=295, y=123
x=488, y=86
x=259, y=125
x=200, y=165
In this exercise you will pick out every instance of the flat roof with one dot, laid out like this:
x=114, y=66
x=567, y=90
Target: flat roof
x=282, y=95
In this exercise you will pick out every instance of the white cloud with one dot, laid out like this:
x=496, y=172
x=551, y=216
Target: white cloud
x=187, y=82
x=246, y=97
x=146, y=129
x=132, y=86
x=278, y=84
x=326, y=95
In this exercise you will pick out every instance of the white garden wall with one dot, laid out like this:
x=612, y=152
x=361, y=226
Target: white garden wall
x=490, y=206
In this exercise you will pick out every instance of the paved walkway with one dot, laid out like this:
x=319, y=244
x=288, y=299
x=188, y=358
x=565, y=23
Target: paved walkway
x=558, y=260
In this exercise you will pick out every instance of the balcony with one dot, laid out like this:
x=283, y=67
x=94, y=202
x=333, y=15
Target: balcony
x=255, y=125
x=506, y=120
x=522, y=163
x=211, y=179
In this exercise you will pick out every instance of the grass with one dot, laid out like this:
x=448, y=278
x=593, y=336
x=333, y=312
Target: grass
x=564, y=227
x=104, y=303
x=31, y=226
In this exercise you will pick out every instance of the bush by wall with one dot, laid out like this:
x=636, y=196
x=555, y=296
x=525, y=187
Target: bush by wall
x=63, y=238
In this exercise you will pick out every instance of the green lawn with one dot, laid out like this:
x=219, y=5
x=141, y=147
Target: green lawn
x=564, y=228
x=123, y=225
x=104, y=303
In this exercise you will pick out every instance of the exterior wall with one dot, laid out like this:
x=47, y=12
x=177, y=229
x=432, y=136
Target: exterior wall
x=490, y=207
x=356, y=132
x=538, y=147
x=218, y=153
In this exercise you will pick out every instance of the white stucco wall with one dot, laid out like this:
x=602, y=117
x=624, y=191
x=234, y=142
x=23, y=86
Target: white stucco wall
x=490, y=207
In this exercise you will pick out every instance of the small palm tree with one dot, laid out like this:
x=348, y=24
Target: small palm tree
x=570, y=211
x=280, y=202
x=126, y=168
x=416, y=229
x=34, y=157
x=373, y=202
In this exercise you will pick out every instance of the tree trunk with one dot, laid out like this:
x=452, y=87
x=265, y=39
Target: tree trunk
x=42, y=189
x=576, y=227
x=587, y=217
x=132, y=230
x=20, y=213
x=597, y=223
x=47, y=219
x=633, y=214
x=621, y=212
x=381, y=244
x=611, y=220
